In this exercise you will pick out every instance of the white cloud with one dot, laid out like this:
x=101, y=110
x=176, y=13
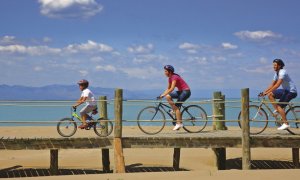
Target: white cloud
x=189, y=47
x=227, y=45
x=89, y=46
x=38, y=68
x=83, y=72
x=218, y=58
x=30, y=50
x=108, y=68
x=7, y=39
x=198, y=60
x=47, y=40
x=141, y=49
x=142, y=73
x=150, y=58
x=70, y=8
x=257, y=35
x=259, y=70
x=97, y=59
x=263, y=60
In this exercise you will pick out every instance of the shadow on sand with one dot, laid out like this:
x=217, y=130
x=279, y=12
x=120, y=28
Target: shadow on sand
x=18, y=171
x=260, y=164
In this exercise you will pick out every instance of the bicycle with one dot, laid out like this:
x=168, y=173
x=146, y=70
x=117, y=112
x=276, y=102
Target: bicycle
x=151, y=120
x=67, y=127
x=258, y=117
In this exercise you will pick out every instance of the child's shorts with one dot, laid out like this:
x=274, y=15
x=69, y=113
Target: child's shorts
x=87, y=109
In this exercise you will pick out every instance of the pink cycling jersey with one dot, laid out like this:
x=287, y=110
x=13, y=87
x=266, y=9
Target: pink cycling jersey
x=180, y=83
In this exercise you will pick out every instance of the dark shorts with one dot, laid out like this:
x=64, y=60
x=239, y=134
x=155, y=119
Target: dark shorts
x=284, y=96
x=181, y=96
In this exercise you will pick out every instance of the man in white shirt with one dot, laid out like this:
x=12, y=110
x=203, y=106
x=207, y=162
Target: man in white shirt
x=86, y=97
x=285, y=95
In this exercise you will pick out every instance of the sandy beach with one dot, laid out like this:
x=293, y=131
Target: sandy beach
x=157, y=163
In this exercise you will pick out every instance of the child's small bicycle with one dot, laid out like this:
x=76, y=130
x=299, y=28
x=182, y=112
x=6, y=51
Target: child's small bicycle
x=67, y=127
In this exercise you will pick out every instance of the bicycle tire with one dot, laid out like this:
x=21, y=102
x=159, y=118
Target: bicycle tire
x=254, y=129
x=197, y=113
x=99, y=128
x=70, y=122
x=294, y=126
x=151, y=127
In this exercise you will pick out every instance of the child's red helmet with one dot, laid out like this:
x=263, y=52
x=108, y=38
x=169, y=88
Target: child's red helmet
x=83, y=82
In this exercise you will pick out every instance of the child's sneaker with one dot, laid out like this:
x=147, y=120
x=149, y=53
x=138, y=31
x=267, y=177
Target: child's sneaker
x=177, y=127
x=283, y=127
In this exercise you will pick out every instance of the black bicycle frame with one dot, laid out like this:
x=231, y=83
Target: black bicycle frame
x=163, y=106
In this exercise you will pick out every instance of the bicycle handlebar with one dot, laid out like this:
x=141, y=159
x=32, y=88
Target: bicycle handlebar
x=73, y=109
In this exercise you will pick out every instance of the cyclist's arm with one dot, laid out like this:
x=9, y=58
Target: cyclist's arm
x=274, y=86
x=80, y=101
x=270, y=87
x=171, y=88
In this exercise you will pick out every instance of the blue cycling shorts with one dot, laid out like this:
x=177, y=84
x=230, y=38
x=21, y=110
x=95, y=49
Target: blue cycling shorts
x=284, y=96
x=181, y=96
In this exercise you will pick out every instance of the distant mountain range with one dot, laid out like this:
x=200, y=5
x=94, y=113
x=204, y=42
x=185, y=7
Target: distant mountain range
x=71, y=92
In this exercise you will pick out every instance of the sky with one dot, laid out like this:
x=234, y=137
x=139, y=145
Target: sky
x=212, y=44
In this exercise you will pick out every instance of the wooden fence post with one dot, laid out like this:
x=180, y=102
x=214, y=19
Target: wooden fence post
x=296, y=162
x=246, y=159
x=118, y=148
x=176, y=159
x=222, y=124
x=219, y=114
x=218, y=111
x=105, y=151
x=54, y=161
x=220, y=158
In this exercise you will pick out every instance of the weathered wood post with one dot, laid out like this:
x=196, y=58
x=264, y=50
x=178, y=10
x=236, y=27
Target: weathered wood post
x=296, y=162
x=118, y=148
x=54, y=161
x=220, y=158
x=176, y=159
x=218, y=111
x=246, y=159
x=105, y=151
x=218, y=124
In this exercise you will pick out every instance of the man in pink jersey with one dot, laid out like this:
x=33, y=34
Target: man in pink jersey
x=182, y=94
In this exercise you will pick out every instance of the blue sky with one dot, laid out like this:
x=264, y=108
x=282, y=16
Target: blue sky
x=213, y=44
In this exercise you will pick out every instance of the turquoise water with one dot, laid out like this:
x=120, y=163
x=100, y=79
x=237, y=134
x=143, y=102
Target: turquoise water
x=55, y=111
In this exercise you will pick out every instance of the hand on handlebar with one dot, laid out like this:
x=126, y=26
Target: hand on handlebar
x=261, y=94
x=160, y=97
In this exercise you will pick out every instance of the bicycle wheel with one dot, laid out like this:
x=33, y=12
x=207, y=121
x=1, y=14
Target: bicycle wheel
x=67, y=127
x=293, y=117
x=151, y=120
x=194, y=119
x=103, y=129
x=258, y=119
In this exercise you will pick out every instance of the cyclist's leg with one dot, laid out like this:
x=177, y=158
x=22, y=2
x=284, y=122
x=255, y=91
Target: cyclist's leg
x=183, y=96
x=84, y=113
x=277, y=94
x=286, y=97
x=169, y=98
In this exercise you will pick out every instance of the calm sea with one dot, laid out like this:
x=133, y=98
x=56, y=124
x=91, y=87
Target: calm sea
x=54, y=111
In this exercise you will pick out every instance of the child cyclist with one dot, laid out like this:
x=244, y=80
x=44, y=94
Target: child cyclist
x=183, y=93
x=86, y=97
